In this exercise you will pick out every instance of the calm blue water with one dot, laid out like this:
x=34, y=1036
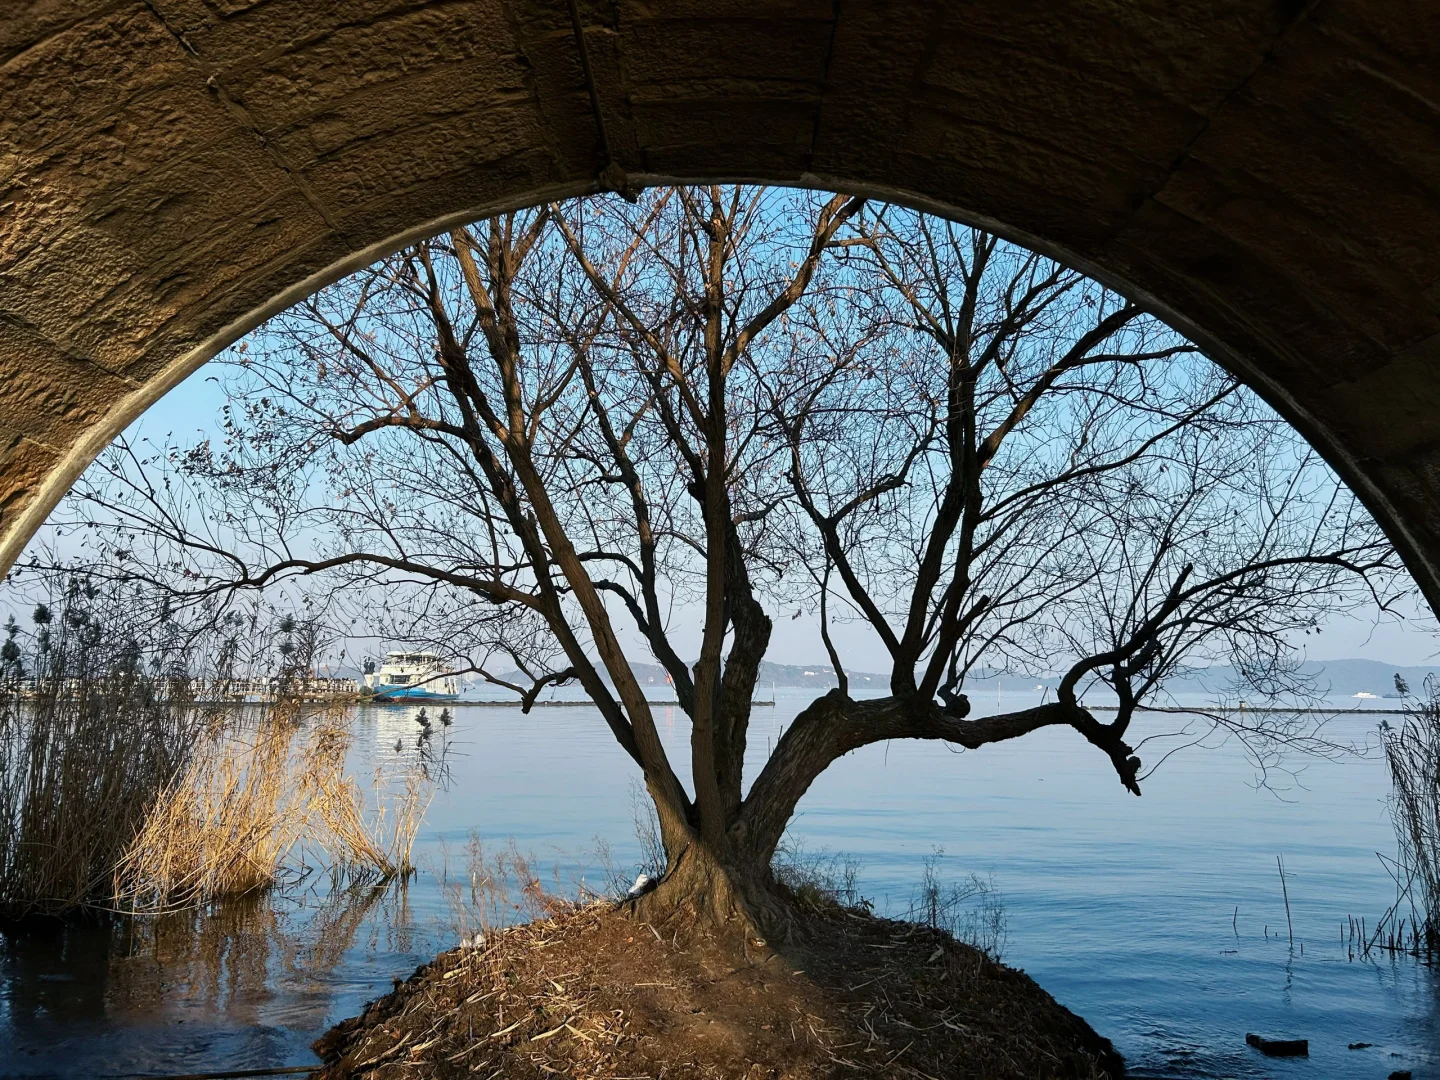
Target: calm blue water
x=1121, y=907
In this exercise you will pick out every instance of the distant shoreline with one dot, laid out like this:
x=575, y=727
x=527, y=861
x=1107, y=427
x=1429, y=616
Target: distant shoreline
x=584, y=703
x=1354, y=710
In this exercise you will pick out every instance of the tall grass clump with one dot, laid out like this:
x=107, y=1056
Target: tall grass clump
x=1412, y=753
x=224, y=826
x=97, y=716
x=266, y=789
x=818, y=878
x=141, y=771
x=363, y=838
x=489, y=890
x=971, y=910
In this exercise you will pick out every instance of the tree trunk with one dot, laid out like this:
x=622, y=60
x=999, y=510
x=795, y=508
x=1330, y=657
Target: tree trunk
x=726, y=893
x=722, y=875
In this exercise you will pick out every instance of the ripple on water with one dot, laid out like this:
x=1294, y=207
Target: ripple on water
x=1121, y=907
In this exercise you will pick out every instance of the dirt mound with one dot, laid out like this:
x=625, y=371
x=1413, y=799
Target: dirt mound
x=596, y=993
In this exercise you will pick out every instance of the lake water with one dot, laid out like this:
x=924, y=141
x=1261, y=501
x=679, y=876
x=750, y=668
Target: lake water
x=1125, y=909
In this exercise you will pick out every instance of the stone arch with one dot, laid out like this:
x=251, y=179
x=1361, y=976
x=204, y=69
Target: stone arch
x=172, y=172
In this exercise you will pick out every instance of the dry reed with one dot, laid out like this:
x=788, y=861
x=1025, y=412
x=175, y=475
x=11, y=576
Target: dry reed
x=252, y=798
x=131, y=778
x=360, y=844
x=224, y=827
x=265, y=785
x=92, y=726
x=1412, y=752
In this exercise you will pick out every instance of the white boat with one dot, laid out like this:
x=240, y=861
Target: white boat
x=411, y=676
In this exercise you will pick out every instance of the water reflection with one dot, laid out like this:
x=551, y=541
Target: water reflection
x=51, y=973
x=245, y=983
x=1123, y=908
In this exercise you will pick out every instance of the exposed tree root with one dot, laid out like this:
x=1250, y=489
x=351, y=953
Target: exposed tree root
x=698, y=891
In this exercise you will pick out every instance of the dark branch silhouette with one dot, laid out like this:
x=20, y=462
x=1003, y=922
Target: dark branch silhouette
x=535, y=439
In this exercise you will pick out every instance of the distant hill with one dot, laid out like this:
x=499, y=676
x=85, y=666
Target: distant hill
x=1329, y=678
x=1335, y=678
x=820, y=676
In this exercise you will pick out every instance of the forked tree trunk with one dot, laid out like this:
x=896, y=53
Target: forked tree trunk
x=729, y=883
x=734, y=895
x=722, y=876
x=714, y=876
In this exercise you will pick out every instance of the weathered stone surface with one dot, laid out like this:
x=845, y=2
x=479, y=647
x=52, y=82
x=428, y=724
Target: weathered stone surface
x=39, y=385
x=26, y=465
x=172, y=172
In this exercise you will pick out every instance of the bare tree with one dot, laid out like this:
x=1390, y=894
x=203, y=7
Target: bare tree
x=542, y=436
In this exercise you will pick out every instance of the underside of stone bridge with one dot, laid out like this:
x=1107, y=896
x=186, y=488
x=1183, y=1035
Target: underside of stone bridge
x=1266, y=176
